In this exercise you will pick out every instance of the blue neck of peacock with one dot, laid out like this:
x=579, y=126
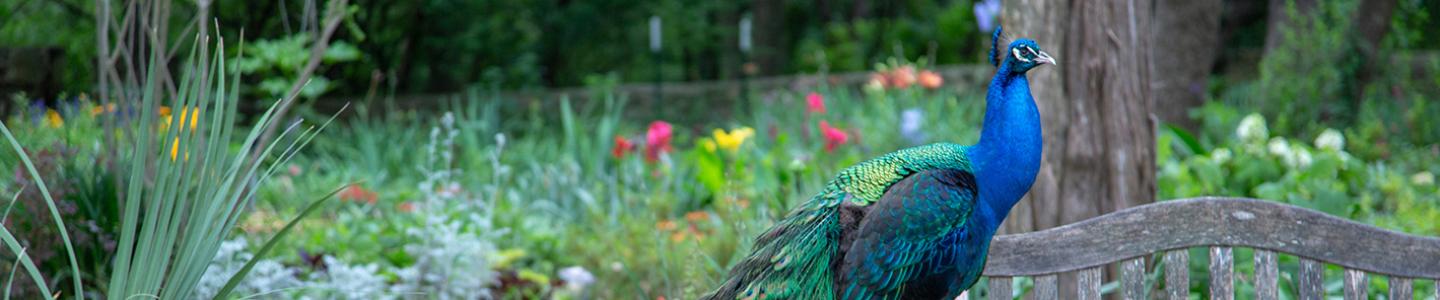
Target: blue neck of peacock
x=1008, y=154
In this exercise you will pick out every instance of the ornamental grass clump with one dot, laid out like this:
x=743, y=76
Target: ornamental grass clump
x=182, y=187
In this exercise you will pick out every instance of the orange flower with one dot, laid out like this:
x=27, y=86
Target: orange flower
x=101, y=109
x=931, y=80
x=406, y=207
x=665, y=225
x=902, y=77
x=696, y=216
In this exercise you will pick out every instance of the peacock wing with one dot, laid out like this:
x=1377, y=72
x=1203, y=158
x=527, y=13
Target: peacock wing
x=900, y=237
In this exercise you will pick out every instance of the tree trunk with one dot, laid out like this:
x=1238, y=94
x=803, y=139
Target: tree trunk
x=1181, y=66
x=769, y=28
x=1372, y=23
x=1096, y=108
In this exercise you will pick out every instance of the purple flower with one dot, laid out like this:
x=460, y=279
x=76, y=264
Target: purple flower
x=985, y=14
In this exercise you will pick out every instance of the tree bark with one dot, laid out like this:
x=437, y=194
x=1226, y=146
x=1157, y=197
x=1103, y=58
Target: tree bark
x=1096, y=108
x=1181, y=66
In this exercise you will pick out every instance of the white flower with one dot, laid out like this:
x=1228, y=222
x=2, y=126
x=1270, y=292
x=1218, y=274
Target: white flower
x=1330, y=140
x=1278, y=147
x=1221, y=155
x=576, y=278
x=617, y=266
x=1253, y=129
x=1301, y=158
x=1423, y=179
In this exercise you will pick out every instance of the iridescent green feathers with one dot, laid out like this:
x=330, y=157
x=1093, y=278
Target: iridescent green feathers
x=794, y=260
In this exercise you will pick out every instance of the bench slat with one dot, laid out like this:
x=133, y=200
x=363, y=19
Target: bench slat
x=999, y=288
x=1046, y=288
x=1089, y=283
x=1400, y=289
x=1222, y=274
x=1204, y=222
x=1355, y=284
x=1177, y=274
x=1312, y=279
x=1266, y=275
x=1132, y=278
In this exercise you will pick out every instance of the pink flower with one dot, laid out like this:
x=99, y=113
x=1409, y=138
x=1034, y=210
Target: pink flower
x=814, y=103
x=834, y=137
x=622, y=146
x=657, y=140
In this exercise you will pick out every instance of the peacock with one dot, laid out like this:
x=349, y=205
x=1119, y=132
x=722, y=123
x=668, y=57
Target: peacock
x=912, y=224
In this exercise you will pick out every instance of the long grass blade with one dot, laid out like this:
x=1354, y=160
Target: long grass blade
x=24, y=260
x=49, y=203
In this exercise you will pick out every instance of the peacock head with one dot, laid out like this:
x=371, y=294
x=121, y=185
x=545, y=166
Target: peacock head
x=1024, y=54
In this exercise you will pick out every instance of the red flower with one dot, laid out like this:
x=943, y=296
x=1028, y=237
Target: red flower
x=407, y=206
x=834, y=137
x=358, y=194
x=657, y=140
x=814, y=103
x=622, y=147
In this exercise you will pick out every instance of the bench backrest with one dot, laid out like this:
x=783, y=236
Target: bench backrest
x=1130, y=236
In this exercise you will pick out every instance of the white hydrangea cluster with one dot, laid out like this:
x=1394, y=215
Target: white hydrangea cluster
x=1293, y=157
x=1330, y=140
x=1252, y=129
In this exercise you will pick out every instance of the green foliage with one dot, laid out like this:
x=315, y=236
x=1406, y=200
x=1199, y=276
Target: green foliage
x=1398, y=194
x=1310, y=75
x=946, y=33
x=277, y=64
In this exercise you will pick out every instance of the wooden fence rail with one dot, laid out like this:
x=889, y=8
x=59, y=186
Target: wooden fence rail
x=1130, y=236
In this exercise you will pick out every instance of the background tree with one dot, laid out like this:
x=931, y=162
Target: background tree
x=1096, y=105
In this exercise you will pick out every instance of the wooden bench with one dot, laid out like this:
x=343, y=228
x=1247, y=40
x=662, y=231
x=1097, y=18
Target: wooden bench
x=1130, y=236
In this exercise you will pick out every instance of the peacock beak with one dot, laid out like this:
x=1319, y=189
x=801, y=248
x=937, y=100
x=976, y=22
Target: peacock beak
x=1044, y=58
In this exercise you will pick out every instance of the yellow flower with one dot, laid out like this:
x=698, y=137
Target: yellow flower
x=53, y=119
x=175, y=150
x=192, y=114
x=732, y=140
x=708, y=144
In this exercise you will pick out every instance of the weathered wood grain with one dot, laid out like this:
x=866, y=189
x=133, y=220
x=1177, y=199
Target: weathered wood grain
x=1355, y=284
x=1400, y=289
x=1177, y=274
x=1201, y=222
x=999, y=288
x=1266, y=275
x=1132, y=279
x=1222, y=273
x=1089, y=284
x=1046, y=288
x=1312, y=279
